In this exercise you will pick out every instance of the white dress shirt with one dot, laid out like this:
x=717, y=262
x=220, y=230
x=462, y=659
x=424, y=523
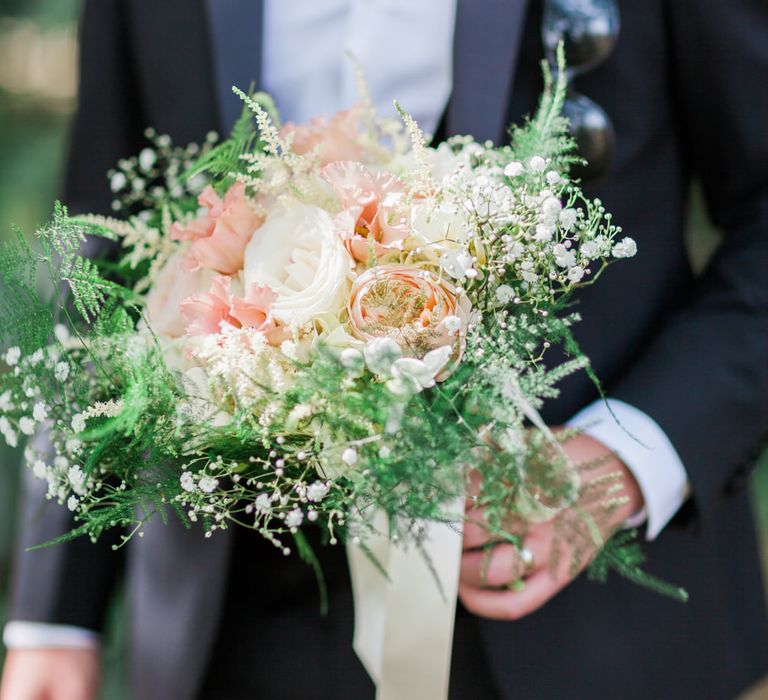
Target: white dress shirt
x=405, y=50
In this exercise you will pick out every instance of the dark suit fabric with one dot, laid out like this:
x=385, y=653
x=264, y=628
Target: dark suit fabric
x=686, y=90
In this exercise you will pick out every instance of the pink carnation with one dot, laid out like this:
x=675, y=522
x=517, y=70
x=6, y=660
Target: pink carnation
x=371, y=221
x=335, y=139
x=220, y=236
x=207, y=313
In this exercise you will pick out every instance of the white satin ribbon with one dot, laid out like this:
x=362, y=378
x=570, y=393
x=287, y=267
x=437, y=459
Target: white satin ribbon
x=404, y=624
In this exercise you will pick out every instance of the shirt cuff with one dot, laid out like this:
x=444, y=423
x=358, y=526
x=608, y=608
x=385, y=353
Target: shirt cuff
x=646, y=451
x=20, y=634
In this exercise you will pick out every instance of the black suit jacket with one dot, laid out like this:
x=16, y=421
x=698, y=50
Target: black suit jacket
x=686, y=90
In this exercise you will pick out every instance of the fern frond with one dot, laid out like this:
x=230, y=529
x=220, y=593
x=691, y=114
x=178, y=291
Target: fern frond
x=546, y=134
x=90, y=291
x=225, y=159
x=625, y=556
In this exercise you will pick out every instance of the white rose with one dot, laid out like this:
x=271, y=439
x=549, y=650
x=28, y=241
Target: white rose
x=299, y=255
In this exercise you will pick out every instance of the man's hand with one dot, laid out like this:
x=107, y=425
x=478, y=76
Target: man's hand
x=497, y=583
x=51, y=674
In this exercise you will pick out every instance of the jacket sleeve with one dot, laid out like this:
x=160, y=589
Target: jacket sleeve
x=704, y=378
x=72, y=583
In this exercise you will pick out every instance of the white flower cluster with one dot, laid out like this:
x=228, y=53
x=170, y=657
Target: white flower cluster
x=407, y=375
x=533, y=234
x=247, y=371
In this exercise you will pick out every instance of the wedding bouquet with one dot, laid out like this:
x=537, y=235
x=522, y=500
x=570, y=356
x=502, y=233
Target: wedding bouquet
x=330, y=323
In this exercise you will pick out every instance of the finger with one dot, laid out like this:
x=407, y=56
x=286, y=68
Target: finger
x=475, y=531
x=511, y=605
x=501, y=564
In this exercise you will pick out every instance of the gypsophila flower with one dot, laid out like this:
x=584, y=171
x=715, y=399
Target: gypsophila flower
x=77, y=479
x=187, y=481
x=12, y=356
x=504, y=293
x=6, y=403
x=626, y=248
x=263, y=503
x=26, y=425
x=537, y=164
x=563, y=256
x=8, y=432
x=72, y=503
x=544, y=233
x=553, y=178
x=40, y=412
x=551, y=209
x=568, y=218
x=452, y=324
x=39, y=469
x=576, y=274
x=590, y=250
x=61, y=371
x=147, y=159
x=514, y=169
x=207, y=484
x=78, y=423
x=294, y=518
x=117, y=182
x=317, y=491
x=349, y=456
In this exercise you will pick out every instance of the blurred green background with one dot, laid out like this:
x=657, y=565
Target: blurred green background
x=38, y=52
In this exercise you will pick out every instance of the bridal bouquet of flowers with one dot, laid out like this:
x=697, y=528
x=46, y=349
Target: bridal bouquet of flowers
x=329, y=323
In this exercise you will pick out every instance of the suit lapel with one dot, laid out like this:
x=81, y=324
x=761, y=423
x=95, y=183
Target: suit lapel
x=486, y=48
x=235, y=30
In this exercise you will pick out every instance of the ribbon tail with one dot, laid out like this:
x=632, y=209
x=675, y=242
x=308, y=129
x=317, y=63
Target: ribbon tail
x=404, y=625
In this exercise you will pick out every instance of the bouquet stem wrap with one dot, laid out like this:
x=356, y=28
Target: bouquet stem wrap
x=404, y=625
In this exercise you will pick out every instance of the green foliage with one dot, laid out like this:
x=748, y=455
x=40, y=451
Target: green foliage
x=225, y=159
x=625, y=556
x=25, y=320
x=546, y=135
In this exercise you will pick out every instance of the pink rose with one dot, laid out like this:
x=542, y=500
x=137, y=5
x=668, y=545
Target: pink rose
x=220, y=236
x=413, y=307
x=206, y=313
x=336, y=138
x=371, y=221
x=173, y=285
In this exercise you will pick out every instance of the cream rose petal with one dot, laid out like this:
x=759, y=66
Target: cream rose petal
x=298, y=254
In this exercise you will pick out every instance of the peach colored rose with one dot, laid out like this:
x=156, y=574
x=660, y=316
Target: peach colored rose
x=206, y=313
x=413, y=307
x=172, y=286
x=371, y=221
x=334, y=138
x=220, y=236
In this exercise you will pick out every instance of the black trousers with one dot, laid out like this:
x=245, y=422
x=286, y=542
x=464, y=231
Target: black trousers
x=274, y=643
